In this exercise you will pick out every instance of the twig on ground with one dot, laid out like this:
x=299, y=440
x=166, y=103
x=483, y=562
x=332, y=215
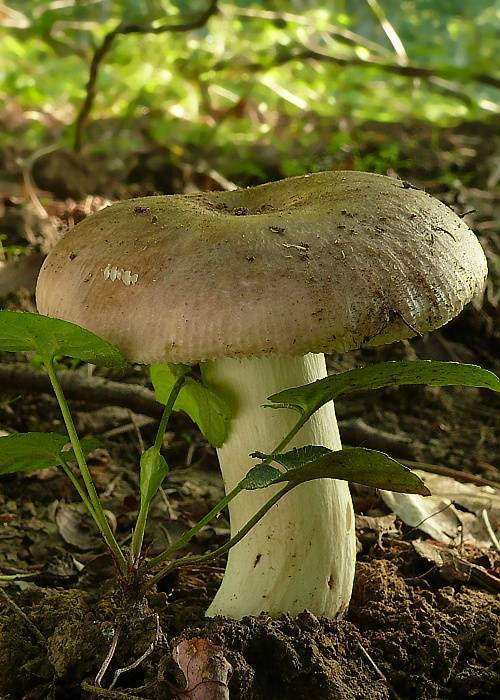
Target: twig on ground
x=137, y=430
x=358, y=433
x=19, y=377
x=128, y=427
x=448, y=471
x=22, y=615
x=377, y=670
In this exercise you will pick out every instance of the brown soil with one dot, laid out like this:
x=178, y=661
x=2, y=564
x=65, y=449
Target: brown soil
x=402, y=638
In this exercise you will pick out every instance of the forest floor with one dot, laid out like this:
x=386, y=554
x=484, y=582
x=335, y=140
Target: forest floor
x=424, y=618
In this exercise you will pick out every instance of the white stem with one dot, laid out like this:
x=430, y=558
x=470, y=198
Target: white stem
x=301, y=555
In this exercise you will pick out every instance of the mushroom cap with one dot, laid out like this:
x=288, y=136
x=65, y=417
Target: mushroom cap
x=318, y=263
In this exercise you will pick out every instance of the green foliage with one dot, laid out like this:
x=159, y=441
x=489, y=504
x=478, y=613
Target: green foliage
x=27, y=452
x=368, y=467
x=21, y=332
x=154, y=469
x=176, y=87
x=24, y=332
x=205, y=408
x=307, y=399
x=10, y=252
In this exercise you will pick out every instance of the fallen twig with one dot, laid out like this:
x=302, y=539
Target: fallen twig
x=448, y=471
x=18, y=377
x=17, y=610
x=378, y=671
x=358, y=433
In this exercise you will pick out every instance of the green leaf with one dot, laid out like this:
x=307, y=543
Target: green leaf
x=154, y=469
x=307, y=399
x=260, y=477
x=368, y=467
x=203, y=405
x=26, y=452
x=22, y=332
x=297, y=458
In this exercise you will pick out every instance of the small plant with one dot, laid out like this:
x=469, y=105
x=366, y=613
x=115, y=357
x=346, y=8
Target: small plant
x=177, y=390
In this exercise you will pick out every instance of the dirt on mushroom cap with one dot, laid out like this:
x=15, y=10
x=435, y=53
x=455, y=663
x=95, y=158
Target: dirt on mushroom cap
x=326, y=262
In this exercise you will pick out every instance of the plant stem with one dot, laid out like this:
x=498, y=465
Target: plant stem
x=187, y=561
x=138, y=533
x=288, y=437
x=140, y=525
x=78, y=487
x=168, y=410
x=187, y=536
x=97, y=511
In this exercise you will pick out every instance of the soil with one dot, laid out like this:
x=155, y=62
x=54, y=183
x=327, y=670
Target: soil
x=416, y=629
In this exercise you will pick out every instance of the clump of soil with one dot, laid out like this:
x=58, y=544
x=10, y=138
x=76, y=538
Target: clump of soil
x=400, y=639
x=302, y=657
x=65, y=638
x=430, y=644
x=75, y=636
x=427, y=644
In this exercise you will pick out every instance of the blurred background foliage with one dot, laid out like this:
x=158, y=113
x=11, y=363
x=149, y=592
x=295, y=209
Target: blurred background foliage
x=258, y=90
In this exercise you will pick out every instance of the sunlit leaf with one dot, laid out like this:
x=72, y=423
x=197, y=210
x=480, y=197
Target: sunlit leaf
x=363, y=466
x=22, y=332
x=307, y=399
x=202, y=404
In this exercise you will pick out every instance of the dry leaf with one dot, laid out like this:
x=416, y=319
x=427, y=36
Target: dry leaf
x=454, y=568
x=438, y=517
x=205, y=668
x=76, y=528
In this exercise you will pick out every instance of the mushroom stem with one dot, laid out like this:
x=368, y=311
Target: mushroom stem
x=301, y=555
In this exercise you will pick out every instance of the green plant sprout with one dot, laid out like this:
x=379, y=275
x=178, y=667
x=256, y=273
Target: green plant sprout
x=177, y=390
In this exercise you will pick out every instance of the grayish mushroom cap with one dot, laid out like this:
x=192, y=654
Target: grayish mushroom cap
x=319, y=263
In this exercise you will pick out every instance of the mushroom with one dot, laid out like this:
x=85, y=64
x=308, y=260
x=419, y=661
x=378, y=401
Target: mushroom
x=255, y=285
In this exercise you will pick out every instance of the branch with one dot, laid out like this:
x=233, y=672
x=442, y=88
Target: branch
x=18, y=377
x=341, y=34
x=105, y=47
x=408, y=70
